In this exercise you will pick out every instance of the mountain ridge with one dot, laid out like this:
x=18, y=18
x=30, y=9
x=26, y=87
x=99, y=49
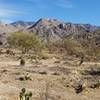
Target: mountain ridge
x=51, y=29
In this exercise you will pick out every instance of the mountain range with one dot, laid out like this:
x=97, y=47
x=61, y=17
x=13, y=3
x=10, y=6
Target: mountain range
x=51, y=28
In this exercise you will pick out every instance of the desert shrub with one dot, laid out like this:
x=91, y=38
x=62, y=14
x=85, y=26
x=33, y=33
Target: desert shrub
x=25, y=78
x=67, y=45
x=72, y=46
x=28, y=78
x=24, y=41
x=55, y=46
x=92, y=52
x=22, y=62
x=91, y=45
x=87, y=48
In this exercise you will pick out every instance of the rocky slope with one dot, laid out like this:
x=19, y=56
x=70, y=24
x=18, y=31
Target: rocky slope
x=5, y=29
x=52, y=29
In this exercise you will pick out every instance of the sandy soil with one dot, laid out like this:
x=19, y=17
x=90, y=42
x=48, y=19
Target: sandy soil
x=52, y=77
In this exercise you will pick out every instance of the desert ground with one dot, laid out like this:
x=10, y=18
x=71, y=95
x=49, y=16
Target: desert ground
x=54, y=78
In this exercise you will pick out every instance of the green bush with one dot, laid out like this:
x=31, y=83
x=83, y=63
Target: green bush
x=24, y=41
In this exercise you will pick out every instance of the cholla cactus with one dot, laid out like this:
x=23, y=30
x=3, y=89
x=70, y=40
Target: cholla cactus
x=28, y=96
x=22, y=94
x=27, y=77
x=25, y=95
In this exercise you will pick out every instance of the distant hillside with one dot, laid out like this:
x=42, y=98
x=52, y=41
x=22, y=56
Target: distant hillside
x=52, y=29
x=21, y=24
x=7, y=28
x=89, y=27
x=4, y=30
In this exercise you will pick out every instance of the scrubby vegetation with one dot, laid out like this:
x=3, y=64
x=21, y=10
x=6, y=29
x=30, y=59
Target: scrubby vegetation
x=68, y=45
x=25, y=42
x=71, y=46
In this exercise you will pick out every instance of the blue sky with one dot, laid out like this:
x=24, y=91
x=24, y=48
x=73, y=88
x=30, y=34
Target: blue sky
x=76, y=11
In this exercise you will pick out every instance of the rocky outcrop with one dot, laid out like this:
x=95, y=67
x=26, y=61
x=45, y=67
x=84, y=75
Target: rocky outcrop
x=53, y=29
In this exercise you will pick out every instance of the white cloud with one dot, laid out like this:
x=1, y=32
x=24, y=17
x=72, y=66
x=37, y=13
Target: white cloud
x=8, y=11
